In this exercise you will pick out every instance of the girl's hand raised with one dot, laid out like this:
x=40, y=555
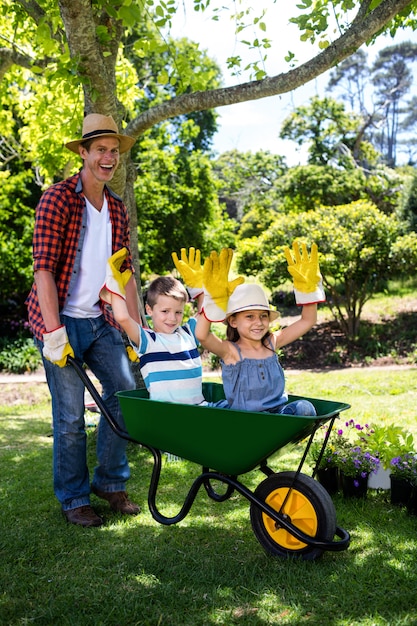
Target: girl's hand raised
x=308, y=287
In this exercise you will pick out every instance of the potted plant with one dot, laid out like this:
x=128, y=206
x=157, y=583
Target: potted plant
x=326, y=468
x=342, y=439
x=387, y=442
x=403, y=478
x=353, y=458
x=355, y=467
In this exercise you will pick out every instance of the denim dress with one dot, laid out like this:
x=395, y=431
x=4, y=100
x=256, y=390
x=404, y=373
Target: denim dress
x=254, y=384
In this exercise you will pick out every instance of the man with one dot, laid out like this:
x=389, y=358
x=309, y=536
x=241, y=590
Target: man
x=79, y=224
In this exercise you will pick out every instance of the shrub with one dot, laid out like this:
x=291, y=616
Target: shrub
x=19, y=355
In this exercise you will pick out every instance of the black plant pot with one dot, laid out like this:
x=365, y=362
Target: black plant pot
x=354, y=486
x=400, y=490
x=329, y=478
x=412, y=501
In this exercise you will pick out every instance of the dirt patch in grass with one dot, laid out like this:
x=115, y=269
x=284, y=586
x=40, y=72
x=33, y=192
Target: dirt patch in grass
x=384, y=341
x=25, y=392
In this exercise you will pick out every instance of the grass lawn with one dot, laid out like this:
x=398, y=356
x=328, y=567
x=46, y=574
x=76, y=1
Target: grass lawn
x=209, y=569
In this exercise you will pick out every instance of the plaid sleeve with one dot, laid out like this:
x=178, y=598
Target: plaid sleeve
x=55, y=239
x=57, y=229
x=49, y=230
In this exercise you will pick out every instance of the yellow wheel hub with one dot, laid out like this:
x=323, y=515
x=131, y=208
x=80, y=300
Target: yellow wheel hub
x=300, y=512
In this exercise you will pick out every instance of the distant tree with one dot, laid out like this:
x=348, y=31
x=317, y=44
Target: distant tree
x=392, y=78
x=307, y=187
x=408, y=127
x=409, y=210
x=258, y=218
x=379, y=95
x=343, y=165
x=175, y=192
x=177, y=204
x=331, y=132
x=247, y=178
x=152, y=74
x=351, y=78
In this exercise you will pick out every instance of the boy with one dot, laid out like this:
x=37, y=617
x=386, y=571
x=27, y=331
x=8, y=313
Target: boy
x=169, y=358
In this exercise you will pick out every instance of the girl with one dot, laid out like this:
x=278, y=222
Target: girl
x=253, y=378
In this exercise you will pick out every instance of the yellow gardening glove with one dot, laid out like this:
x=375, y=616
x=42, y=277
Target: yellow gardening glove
x=132, y=354
x=217, y=287
x=308, y=287
x=56, y=346
x=116, y=281
x=191, y=270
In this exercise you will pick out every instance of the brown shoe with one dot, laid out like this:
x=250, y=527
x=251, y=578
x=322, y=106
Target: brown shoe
x=118, y=501
x=83, y=516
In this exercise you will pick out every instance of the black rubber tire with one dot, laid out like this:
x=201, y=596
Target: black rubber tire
x=309, y=507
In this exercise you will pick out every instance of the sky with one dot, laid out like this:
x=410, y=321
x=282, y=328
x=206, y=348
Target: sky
x=253, y=126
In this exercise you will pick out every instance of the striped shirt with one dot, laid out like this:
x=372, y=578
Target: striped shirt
x=60, y=220
x=171, y=364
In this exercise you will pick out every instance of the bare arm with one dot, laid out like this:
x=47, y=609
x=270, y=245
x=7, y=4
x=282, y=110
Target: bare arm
x=132, y=300
x=199, y=301
x=297, y=329
x=122, y=316
x=48, y=299
x=209, y=340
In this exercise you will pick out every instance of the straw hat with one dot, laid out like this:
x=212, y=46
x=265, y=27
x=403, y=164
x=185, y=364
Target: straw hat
x=96, y=125
x=249, y=297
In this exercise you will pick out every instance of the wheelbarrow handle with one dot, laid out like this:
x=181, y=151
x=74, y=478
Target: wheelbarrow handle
x=97, y=398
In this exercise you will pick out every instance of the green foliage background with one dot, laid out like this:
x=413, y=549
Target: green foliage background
x=185, y=195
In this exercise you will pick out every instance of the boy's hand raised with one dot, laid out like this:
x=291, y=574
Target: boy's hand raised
x=191, y=270
x=116, y=281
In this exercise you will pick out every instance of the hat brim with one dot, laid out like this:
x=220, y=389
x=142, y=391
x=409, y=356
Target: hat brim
x=126, y=142
x=273, y=315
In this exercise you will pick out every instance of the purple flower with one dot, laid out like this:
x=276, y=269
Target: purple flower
x=405, y=466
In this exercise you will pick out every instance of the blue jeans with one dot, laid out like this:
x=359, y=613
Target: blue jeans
x=101, y=347
x=298, y=407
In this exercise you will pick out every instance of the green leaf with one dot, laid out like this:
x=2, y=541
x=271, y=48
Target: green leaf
x=163, y=77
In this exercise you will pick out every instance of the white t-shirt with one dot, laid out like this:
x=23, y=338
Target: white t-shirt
x=97, y=248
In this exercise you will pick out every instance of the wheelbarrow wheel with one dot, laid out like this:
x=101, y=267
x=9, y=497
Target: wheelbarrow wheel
x=308, y=507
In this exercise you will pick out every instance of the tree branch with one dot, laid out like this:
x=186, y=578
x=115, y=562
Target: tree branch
x=33, y=9
x=12, y=57
x=363, y=27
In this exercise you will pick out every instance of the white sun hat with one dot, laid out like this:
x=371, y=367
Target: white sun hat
x=249, y=297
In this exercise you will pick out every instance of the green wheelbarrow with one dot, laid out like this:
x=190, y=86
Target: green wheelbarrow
x=292, y=515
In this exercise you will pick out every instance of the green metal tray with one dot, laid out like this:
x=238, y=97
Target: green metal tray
x=231, y=442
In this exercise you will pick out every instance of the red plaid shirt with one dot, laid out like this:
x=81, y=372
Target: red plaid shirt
x=58, y=223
